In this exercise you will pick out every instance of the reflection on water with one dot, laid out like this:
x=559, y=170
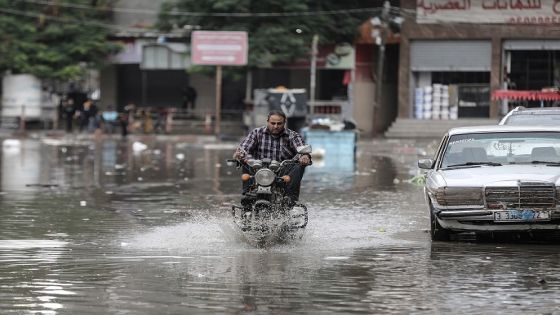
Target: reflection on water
x=21, y=163
x=99, y=228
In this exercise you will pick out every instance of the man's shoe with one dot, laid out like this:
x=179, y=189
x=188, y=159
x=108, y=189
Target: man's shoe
x=246, y=202
x=290, y=202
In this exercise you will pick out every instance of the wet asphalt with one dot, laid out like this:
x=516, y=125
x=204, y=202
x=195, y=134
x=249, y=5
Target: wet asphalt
x=142, y=226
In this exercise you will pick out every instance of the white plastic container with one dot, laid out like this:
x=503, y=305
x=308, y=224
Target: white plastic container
x=21, y=94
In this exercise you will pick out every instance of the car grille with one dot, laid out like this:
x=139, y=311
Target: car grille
x=526, y=195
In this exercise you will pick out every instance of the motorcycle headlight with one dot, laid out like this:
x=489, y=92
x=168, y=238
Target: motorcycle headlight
x=265, y=177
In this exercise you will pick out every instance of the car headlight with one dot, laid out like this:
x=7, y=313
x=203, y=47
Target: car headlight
x=459, y=196
x=265, y=177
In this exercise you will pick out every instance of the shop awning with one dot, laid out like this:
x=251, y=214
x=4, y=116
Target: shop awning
x=526, y=95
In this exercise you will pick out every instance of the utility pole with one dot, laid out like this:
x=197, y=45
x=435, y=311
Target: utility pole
x=380, y=40
x=313, y=79
x=382, y=24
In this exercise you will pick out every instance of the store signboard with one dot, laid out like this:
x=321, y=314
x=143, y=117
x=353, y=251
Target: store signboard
x=219, y=48
x=527, y=12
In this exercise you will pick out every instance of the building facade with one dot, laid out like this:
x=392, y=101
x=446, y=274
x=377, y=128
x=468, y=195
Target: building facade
x=462, y=51
x=344, y=80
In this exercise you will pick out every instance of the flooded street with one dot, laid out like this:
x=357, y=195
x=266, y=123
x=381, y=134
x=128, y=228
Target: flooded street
x=107, y=228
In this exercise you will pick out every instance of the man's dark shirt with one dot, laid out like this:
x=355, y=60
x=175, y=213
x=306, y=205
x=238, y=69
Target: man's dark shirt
x=260, y=144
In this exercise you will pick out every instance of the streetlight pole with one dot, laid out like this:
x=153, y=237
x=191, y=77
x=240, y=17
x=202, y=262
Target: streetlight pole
x=380, y=39
x=313, y=69
x=379, y=75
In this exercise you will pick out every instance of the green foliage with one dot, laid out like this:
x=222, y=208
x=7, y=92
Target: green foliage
x=53, y=41
x=272, y=39
x=419, y=179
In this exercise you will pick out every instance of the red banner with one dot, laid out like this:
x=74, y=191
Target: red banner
x=525, y=95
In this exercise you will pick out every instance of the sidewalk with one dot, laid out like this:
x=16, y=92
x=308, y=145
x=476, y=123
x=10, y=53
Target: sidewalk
x=378, y=145
x=75, y=136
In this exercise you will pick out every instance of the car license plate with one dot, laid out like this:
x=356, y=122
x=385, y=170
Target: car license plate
x=521, y=216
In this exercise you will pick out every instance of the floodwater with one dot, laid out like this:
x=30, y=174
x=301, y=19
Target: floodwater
x=104, y=228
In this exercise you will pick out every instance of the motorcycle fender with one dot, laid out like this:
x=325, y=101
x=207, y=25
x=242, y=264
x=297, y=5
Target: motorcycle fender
x=264, y=190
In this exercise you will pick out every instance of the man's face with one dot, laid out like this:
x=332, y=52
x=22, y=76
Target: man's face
x=276, y=124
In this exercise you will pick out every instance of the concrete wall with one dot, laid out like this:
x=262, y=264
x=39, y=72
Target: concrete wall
x=364, y=98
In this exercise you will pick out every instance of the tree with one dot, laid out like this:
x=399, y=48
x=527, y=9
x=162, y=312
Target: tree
x=279, y=31
x=54, y=39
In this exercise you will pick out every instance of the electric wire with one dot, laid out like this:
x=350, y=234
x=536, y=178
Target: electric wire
x=70, y=21
x=209, y=14
x=118, y=27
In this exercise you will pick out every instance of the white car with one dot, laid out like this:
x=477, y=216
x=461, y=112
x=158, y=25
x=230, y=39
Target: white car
x=494, y=178
x=521, y=116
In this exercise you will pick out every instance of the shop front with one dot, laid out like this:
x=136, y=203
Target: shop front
x=531, y=73
x=450, y=79
x=462, y=54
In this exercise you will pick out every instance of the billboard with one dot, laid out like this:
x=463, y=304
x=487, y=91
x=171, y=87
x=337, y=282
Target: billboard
x=219, y=48
x=527, y=12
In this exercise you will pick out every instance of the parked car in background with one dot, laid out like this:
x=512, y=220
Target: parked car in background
x=522, y=116
x=494, y=179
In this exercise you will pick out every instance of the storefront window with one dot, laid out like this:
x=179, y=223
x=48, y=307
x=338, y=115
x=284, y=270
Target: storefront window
x=534, y=70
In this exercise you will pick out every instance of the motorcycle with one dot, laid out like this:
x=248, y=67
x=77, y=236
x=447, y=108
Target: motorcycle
x=266, y=213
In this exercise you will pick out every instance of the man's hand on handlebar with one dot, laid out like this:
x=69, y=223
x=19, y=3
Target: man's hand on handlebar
x=239, y=154
x=304, y=160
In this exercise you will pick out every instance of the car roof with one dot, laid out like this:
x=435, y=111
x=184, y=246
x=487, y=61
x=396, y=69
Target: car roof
x=501, y=128
x=535, y=111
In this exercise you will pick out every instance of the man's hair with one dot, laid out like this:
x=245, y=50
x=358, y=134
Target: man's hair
x=276, y=112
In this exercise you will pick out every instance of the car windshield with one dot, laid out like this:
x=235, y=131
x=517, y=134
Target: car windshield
x=501, y=148
x=525, y=120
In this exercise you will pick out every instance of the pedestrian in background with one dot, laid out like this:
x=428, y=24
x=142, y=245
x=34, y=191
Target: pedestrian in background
x=189, y=99
x=147, y=121
x=68, y=111
x=125, y=118
x=109, y=118
x=160, y=126
x=88, y=116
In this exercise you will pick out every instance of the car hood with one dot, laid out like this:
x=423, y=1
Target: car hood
x=484, y=175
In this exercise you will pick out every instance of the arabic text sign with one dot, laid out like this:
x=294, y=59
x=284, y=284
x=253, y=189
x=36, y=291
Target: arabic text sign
x=489, y=11
x=219, y=48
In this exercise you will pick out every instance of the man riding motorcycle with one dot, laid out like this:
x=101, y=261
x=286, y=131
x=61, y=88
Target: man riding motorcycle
x=275, y=142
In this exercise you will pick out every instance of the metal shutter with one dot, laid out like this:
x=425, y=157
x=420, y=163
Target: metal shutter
x=450, y=55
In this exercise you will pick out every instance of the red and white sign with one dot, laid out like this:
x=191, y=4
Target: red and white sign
x=219, y=48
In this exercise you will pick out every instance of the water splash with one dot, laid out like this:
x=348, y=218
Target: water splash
x=199, y=236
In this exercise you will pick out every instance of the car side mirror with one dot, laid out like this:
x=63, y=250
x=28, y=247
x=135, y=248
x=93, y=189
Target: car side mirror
x=425, y=164
x=304, y=149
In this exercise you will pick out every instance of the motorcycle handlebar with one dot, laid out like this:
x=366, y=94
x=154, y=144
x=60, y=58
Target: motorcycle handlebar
x=235, y=162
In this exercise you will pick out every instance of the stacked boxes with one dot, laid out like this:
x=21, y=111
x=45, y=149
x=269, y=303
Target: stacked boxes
x=433, y=102
x=454, y=100
x=444, y=114
x=419, y=103
x=427, y=105
x=436, y=96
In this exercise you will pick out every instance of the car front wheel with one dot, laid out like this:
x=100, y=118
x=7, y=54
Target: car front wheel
x=437, y=232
